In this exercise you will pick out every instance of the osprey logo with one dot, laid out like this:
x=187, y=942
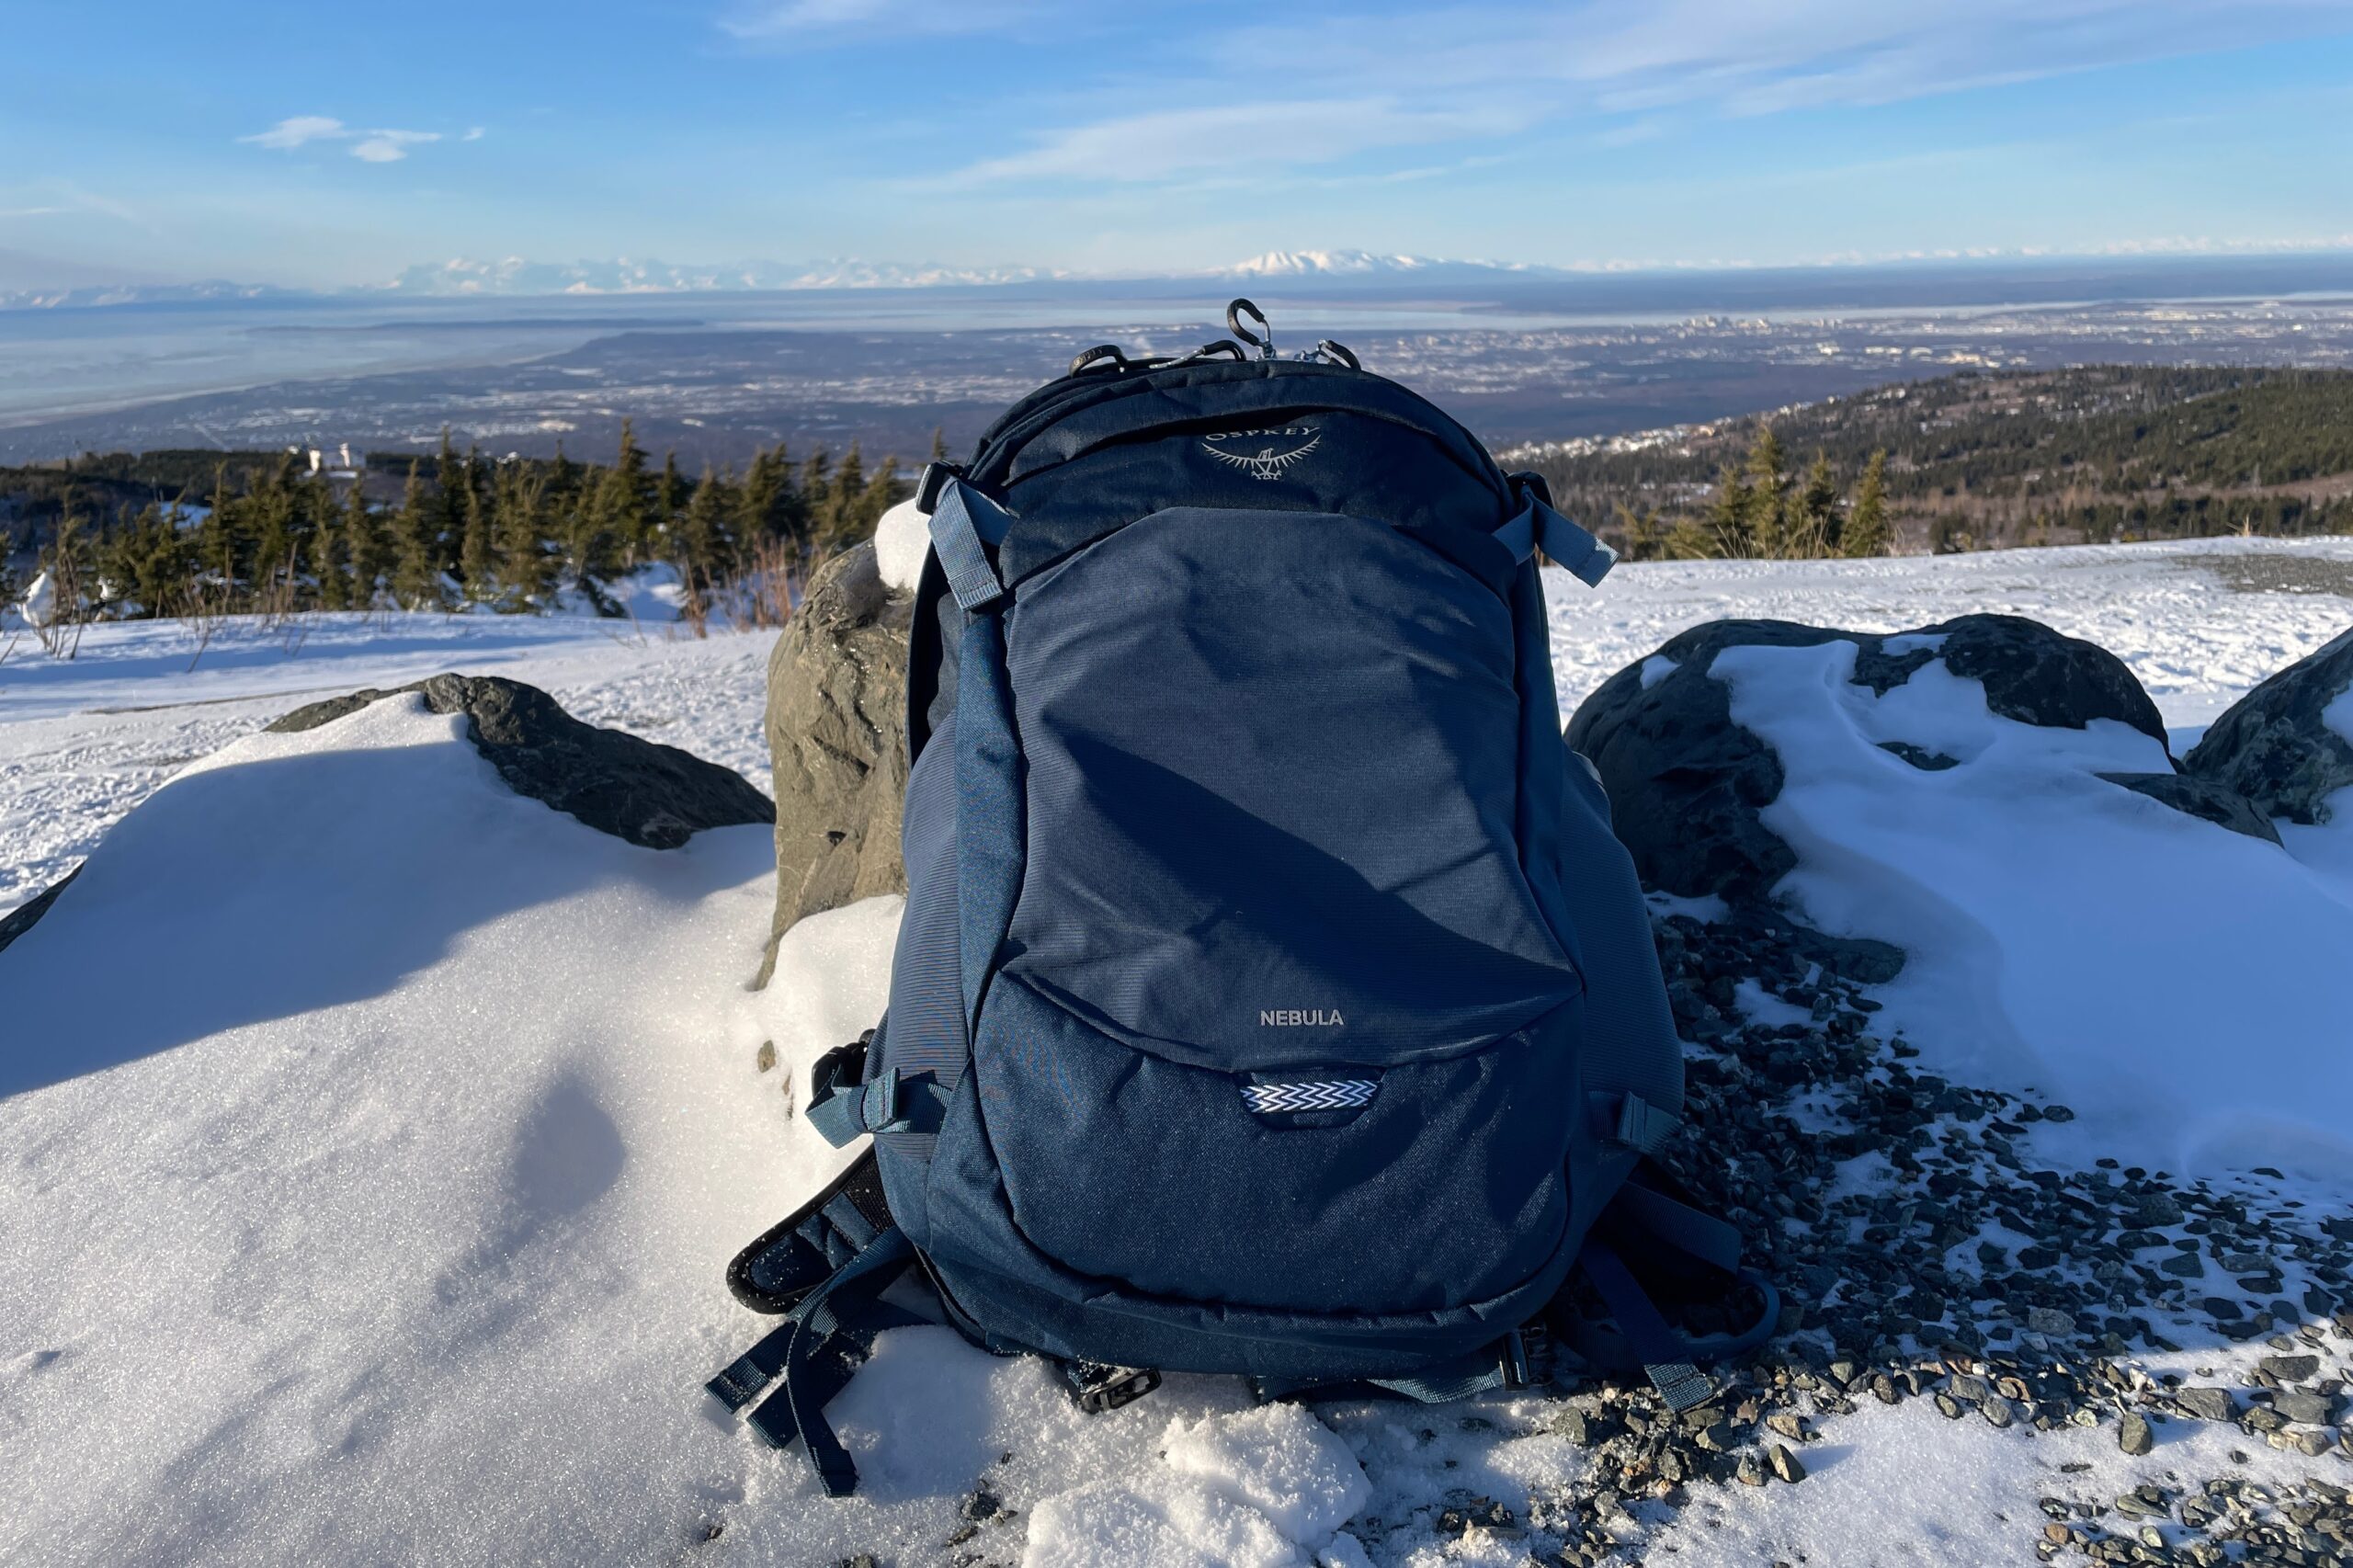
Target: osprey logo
x=1263, y=454
x=1296, y=1017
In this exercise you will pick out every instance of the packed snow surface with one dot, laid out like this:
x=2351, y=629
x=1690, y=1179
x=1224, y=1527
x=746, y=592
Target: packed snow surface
x=371, y=1139
x=2067, y=935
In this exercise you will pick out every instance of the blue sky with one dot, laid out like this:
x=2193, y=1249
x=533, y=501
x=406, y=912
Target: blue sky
x=267, y=141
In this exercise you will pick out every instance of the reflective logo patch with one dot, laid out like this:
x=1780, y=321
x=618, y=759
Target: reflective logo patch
x=1263, y=454
x=1339, y=1094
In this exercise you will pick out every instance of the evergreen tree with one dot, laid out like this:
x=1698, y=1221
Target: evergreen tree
x=416, y=575
x=478, y=555
x=1767, y=522
x=216, y=536
x=1728, y=512
x=623, y=494
x=1818, y=522
x=367, y=546
x=1866, y=530
x=524, y=566
x=452, y=483
x=706, y=545
x=669, y=498
x=330, y=548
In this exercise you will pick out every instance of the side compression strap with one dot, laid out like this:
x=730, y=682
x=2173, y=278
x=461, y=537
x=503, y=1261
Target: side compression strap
x=1538, y=527
x=965, y=525
x=1665, y=1359
x=1661, y=1218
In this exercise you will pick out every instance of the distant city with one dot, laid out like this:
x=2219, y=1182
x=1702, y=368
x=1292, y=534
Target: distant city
x=714, y=373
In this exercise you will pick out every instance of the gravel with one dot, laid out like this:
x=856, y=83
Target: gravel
x=1921, y=1253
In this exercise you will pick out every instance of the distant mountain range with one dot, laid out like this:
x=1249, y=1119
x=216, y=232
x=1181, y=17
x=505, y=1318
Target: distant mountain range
x=516, y=276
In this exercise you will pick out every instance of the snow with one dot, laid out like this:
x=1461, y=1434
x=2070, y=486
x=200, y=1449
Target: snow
x=902, y=539
x=372, y=1139
x=38, y=607
x=2066, y=935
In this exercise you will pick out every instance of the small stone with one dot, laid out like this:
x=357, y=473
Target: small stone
x=2049, y=1320
x=1785, y=1464
x=766, y=1060
x=2207, y=1404
x=1949, y=1407
x=2312, y=1409
x=1748, y=1475
x=961, y=1534
x=1996, y=1411
x=2134, y=1435
x=982, y=1503
x=2291, y=1369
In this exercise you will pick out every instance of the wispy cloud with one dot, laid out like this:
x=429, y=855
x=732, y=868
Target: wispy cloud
x=301, y=129
x=1260, y=99
x=819, y=21
x=390, y=146
x=1267, y=135
x=381, y=146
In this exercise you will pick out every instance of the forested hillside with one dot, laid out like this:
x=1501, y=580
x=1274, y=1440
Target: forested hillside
x=1983, y=460
x=185, y=533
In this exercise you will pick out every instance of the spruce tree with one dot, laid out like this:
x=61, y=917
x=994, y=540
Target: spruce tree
x=416, y=575
x=524, y=566
x=452, y=481
x=329, y=550
x=1866, y=530
x=669, y=497
x=1817, y=512
x=1728, y=514
x=477, y=555
x=626, y=505
x=1768, y=519
x=367, y=547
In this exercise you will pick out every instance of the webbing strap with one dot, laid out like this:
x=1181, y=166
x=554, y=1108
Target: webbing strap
x=1538, y=527
x=965, y=524
x=816, y=1352
x=1633, y=1120
x=842, y=1115
x=1686, y=1230
x=1665, y=1358
x=1503, y=1364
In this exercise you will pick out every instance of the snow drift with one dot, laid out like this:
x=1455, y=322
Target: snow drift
x=2179, y=984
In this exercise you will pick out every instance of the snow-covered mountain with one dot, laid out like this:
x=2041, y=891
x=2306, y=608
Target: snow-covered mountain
x=464, y=277
x=89, y=294
x=1362, y=266
x=516, y=274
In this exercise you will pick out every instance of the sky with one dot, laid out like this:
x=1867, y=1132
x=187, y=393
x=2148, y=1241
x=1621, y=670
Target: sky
x=266, y=140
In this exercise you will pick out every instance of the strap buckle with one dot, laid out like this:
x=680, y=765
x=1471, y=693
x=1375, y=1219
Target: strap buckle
x=1096, y=1388
x=934, y=478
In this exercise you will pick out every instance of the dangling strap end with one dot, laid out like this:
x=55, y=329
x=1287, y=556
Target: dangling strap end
x=1680, y=1383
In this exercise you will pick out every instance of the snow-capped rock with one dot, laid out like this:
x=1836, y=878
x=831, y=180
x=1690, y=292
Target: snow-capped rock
x=2287, y=744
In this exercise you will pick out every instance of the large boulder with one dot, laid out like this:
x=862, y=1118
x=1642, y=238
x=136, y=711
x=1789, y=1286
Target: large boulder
x=655, y=796
x=836, y=727
x=2276, y=746
x=1687, y=784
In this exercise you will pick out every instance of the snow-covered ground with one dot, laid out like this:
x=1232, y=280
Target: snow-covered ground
x=371, y=1140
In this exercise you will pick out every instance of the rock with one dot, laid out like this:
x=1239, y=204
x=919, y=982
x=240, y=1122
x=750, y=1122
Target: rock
x=2207, y=1404
x=2291, y=1369
x=19, y=920
x=655, y=796
x=2272, y=746
x=1785, y=1464
x=836, y=729
x=2306, y=1409
x=2134, y=1435
x=2217, y=803
x=1686, y=785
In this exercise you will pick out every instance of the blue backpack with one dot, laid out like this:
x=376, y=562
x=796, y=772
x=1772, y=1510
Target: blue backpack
x=1272, y=997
